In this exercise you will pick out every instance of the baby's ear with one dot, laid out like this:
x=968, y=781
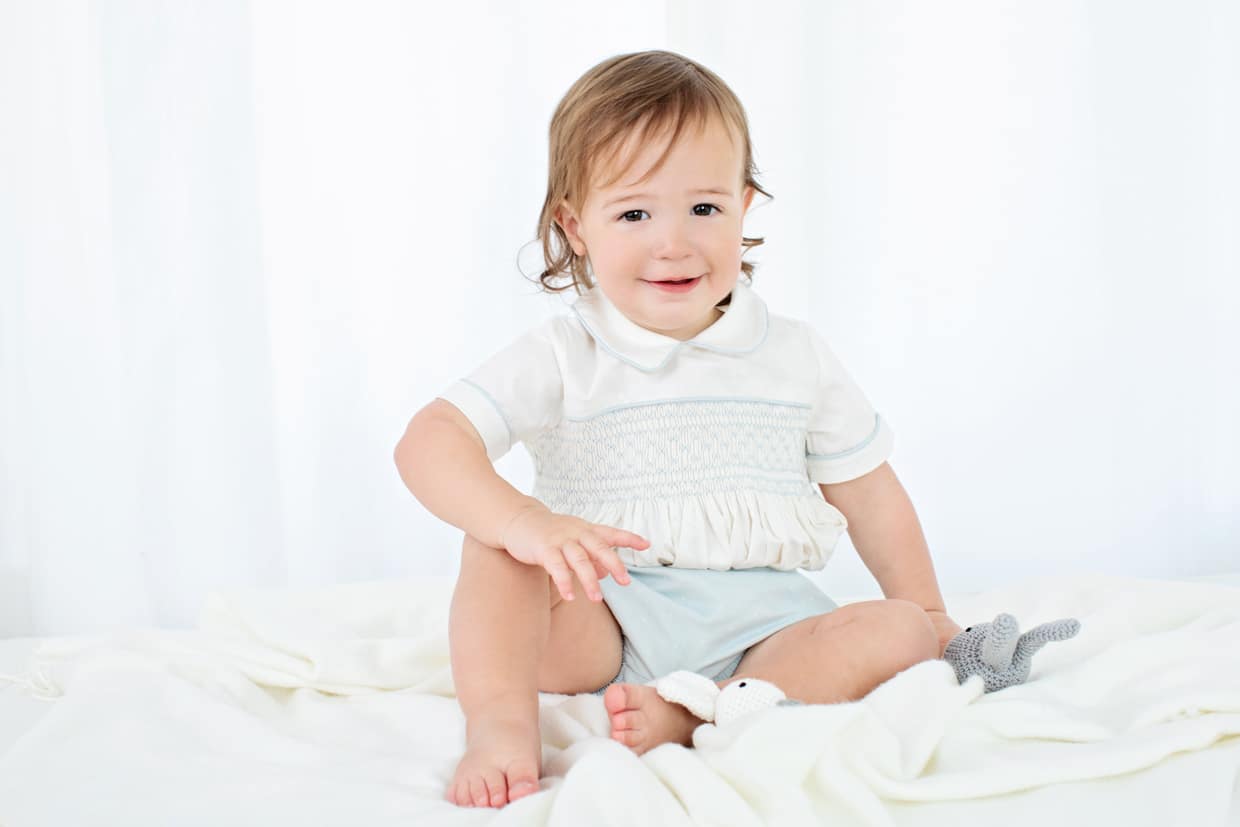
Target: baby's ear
x=560, y=215
x=567, y=219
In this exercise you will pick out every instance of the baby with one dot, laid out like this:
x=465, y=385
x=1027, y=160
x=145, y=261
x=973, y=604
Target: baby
x=688, y=443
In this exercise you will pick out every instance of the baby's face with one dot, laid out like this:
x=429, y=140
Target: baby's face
x=664, y=228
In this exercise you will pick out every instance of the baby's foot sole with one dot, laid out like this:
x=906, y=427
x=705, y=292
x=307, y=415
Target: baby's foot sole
x=642, y=720
x=501, y=764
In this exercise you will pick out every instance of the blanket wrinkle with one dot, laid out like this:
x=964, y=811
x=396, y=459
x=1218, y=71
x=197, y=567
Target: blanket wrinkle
x=337, y=704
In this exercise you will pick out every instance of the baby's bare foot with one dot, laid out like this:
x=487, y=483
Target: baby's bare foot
x=641, y=719
x=501, y=763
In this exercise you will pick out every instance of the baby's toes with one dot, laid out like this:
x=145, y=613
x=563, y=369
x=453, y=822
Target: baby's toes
x=496, y=787
x=629, y=719
x=628, y=737
x=616, y=698
x=478, y=795
x=522, y=779
x=629, y=728
x=458, y=792
x=520, y=788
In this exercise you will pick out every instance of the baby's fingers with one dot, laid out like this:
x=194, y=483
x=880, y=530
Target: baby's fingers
x=553, y=562
x=580, y=560
x=620, y=537
x=607, y=556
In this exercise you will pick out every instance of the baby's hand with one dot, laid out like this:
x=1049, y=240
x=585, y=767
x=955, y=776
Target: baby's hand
x=538, y=536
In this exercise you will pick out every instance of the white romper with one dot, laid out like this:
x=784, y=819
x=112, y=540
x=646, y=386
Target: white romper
x=711, y=449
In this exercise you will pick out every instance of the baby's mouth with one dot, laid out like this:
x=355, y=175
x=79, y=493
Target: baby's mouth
x=674, y=283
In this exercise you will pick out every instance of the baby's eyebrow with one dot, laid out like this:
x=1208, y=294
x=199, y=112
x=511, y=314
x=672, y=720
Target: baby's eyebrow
x=707, y=191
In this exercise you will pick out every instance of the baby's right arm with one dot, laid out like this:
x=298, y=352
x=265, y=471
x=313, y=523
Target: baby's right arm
x=443, y=462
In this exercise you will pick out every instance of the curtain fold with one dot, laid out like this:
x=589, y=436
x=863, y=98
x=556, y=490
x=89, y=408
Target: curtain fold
x=242, y=243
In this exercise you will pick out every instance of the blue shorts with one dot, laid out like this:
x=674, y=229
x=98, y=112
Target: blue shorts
x=703, y=620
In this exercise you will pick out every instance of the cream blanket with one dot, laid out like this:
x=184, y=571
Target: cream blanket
x=334, y=706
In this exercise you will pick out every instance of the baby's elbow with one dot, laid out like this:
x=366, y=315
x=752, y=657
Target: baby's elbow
x=401, y=452
x=407, y=464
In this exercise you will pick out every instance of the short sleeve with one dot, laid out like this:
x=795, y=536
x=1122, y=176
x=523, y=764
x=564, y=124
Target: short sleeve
x=515, y=394
x=846, y=438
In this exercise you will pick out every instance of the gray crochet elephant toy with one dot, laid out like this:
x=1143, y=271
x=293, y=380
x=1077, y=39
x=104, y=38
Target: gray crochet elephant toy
x=999, y=653
x=996, y=651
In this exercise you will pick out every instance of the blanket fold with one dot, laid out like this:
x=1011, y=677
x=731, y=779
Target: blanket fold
x=336, y=704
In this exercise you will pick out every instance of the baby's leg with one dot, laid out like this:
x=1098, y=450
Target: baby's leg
x=844, y=654
x=511, y=635
x=829, y=658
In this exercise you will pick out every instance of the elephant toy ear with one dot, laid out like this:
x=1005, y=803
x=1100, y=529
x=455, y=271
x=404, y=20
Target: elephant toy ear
x=1063, y=629
x=1037, y=637
x=999, y=645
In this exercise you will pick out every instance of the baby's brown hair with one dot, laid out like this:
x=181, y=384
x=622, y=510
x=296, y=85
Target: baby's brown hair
x=652, y=91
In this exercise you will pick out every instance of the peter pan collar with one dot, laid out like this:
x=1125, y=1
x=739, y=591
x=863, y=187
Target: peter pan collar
x=741, y=329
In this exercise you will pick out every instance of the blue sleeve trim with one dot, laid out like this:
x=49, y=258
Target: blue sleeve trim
x=865, y=442
x=495, y=404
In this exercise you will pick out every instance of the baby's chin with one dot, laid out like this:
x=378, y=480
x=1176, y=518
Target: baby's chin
x=682, y=325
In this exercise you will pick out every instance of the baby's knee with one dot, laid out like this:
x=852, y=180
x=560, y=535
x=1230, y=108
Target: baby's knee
x=477, y=556
x=498, y=571
x=910, y=632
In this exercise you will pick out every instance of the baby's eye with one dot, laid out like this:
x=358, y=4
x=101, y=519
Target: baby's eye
x=624, y=216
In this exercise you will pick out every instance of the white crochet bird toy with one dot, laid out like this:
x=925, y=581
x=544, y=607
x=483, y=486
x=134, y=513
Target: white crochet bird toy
x=996, y=651
x=699, y=695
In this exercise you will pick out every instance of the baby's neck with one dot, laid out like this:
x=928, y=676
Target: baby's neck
x=715, y=314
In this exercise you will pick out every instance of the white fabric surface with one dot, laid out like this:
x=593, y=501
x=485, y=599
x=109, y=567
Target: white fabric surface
x=334, y=706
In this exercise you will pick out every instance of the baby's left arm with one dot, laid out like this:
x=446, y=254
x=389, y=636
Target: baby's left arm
x=887, y=535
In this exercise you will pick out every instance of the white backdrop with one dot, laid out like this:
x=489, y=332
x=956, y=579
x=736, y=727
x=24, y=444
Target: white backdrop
x=241, y=243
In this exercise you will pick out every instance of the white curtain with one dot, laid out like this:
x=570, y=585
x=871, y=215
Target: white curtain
x=241, y=243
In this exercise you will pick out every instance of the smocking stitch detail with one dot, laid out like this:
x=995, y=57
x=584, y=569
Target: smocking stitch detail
x=672, y=449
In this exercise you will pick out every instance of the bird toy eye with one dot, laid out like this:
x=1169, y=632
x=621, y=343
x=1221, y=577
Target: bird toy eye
x=970, y=629
x=742, y=683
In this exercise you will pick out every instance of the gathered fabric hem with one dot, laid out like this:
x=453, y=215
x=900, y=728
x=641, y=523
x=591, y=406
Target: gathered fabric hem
x=724, y=530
